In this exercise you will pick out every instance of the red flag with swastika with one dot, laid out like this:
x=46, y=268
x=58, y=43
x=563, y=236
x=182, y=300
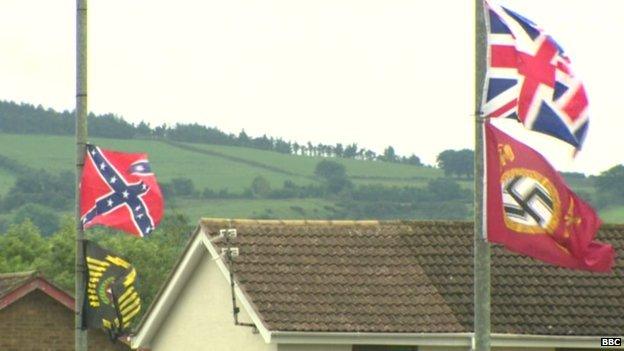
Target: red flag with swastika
x=531, y=210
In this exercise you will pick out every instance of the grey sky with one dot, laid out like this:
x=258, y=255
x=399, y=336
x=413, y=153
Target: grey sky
x=391, y=72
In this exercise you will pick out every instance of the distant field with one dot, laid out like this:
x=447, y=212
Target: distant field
x=56, y=153
x=283, y=209
x=583, y=185
x=218, y=167
x=304, y=165
x=6, y=181
x=613, y=215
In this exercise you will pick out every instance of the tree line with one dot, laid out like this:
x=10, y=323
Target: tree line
x=29, y=119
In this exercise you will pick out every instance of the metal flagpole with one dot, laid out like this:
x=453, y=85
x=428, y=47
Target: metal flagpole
x=81, y=140
x=481, y=340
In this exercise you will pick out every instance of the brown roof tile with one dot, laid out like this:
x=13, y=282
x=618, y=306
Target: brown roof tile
x=11, y=281
x=411, y=276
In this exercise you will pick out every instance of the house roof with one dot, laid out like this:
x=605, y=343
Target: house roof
x=14, y=286
x=410, y=277
x=10, y=281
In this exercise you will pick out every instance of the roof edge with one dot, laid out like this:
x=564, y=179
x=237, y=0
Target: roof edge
x=364, y=222
x=37, y=281
x=545, y=341
x=152, y=318
x=199, y=244
x=238, y=291
x=423, y=339
x=207, y=220
x=434, y=339
x=18, y=274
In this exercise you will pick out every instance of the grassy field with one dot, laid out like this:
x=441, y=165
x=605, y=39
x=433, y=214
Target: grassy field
x=304, y=165
x=226, y=167
x=260, y=208
x=56, y=153
x=6, y=181
x=613, y=215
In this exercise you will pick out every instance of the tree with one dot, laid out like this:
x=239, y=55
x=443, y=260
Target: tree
x=413, y=160
x=43, y=217
x=334, y=174
x=370, y=155
x=296, y=148
x=457, y=163
x=350, y=151
x=143, y=129
x=41, y=187
x=444, y=189
x=260, y=187
x=610, y=186
x=182, y=186
x=23, y=248
x=58, y=265
x=339, y=150
x=389, y=155
x=243, y=138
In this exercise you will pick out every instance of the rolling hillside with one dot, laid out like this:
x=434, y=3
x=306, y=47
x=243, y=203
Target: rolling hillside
x=218, y=167
x=215, y=167
x=209, y=166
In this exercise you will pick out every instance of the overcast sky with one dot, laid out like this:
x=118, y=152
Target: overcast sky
x=375, y=72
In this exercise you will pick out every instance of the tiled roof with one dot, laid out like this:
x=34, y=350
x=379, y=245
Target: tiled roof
x=12, y=281
x=411, y=276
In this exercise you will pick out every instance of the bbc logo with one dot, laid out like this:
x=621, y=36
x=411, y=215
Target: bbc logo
x=610, y=341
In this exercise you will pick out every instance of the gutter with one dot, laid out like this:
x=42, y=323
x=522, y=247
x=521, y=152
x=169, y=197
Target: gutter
x=435, y=339
x=423, y=339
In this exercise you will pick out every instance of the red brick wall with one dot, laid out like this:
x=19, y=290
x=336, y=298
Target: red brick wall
x=38, y=322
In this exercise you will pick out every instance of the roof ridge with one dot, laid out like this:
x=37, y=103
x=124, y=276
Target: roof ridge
x=208, y=220
x=18, y=274
x=205, y=220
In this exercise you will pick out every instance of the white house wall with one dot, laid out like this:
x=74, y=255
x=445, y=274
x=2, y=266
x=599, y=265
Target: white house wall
x=201, y=317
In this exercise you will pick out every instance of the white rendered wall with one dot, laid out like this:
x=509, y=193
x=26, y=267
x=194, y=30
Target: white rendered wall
x=201, y=318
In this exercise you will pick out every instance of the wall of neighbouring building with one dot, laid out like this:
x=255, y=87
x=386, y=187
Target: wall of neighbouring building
x=38, y=322
x=201, y=317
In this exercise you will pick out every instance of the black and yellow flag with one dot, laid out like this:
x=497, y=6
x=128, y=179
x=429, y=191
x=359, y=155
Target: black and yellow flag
x=111, y=301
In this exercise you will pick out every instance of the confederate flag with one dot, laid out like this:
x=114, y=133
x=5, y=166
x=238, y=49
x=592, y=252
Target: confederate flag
x=531, y=210
x=119, y=190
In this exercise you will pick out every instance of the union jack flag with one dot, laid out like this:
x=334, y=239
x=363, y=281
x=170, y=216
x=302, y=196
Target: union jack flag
x=529, y=78
x=119, y=190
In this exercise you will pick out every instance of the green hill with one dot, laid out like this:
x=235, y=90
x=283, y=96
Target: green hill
x=57, y=153
x=218, y=167
x=215, y=168
x=359, y=171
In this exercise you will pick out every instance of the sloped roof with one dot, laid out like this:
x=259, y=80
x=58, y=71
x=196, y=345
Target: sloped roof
x=11, y=281
x=14, y=286
x=412, y=277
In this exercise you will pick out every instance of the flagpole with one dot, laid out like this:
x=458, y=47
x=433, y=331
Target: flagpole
x=80, y=341
x=481, y=340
